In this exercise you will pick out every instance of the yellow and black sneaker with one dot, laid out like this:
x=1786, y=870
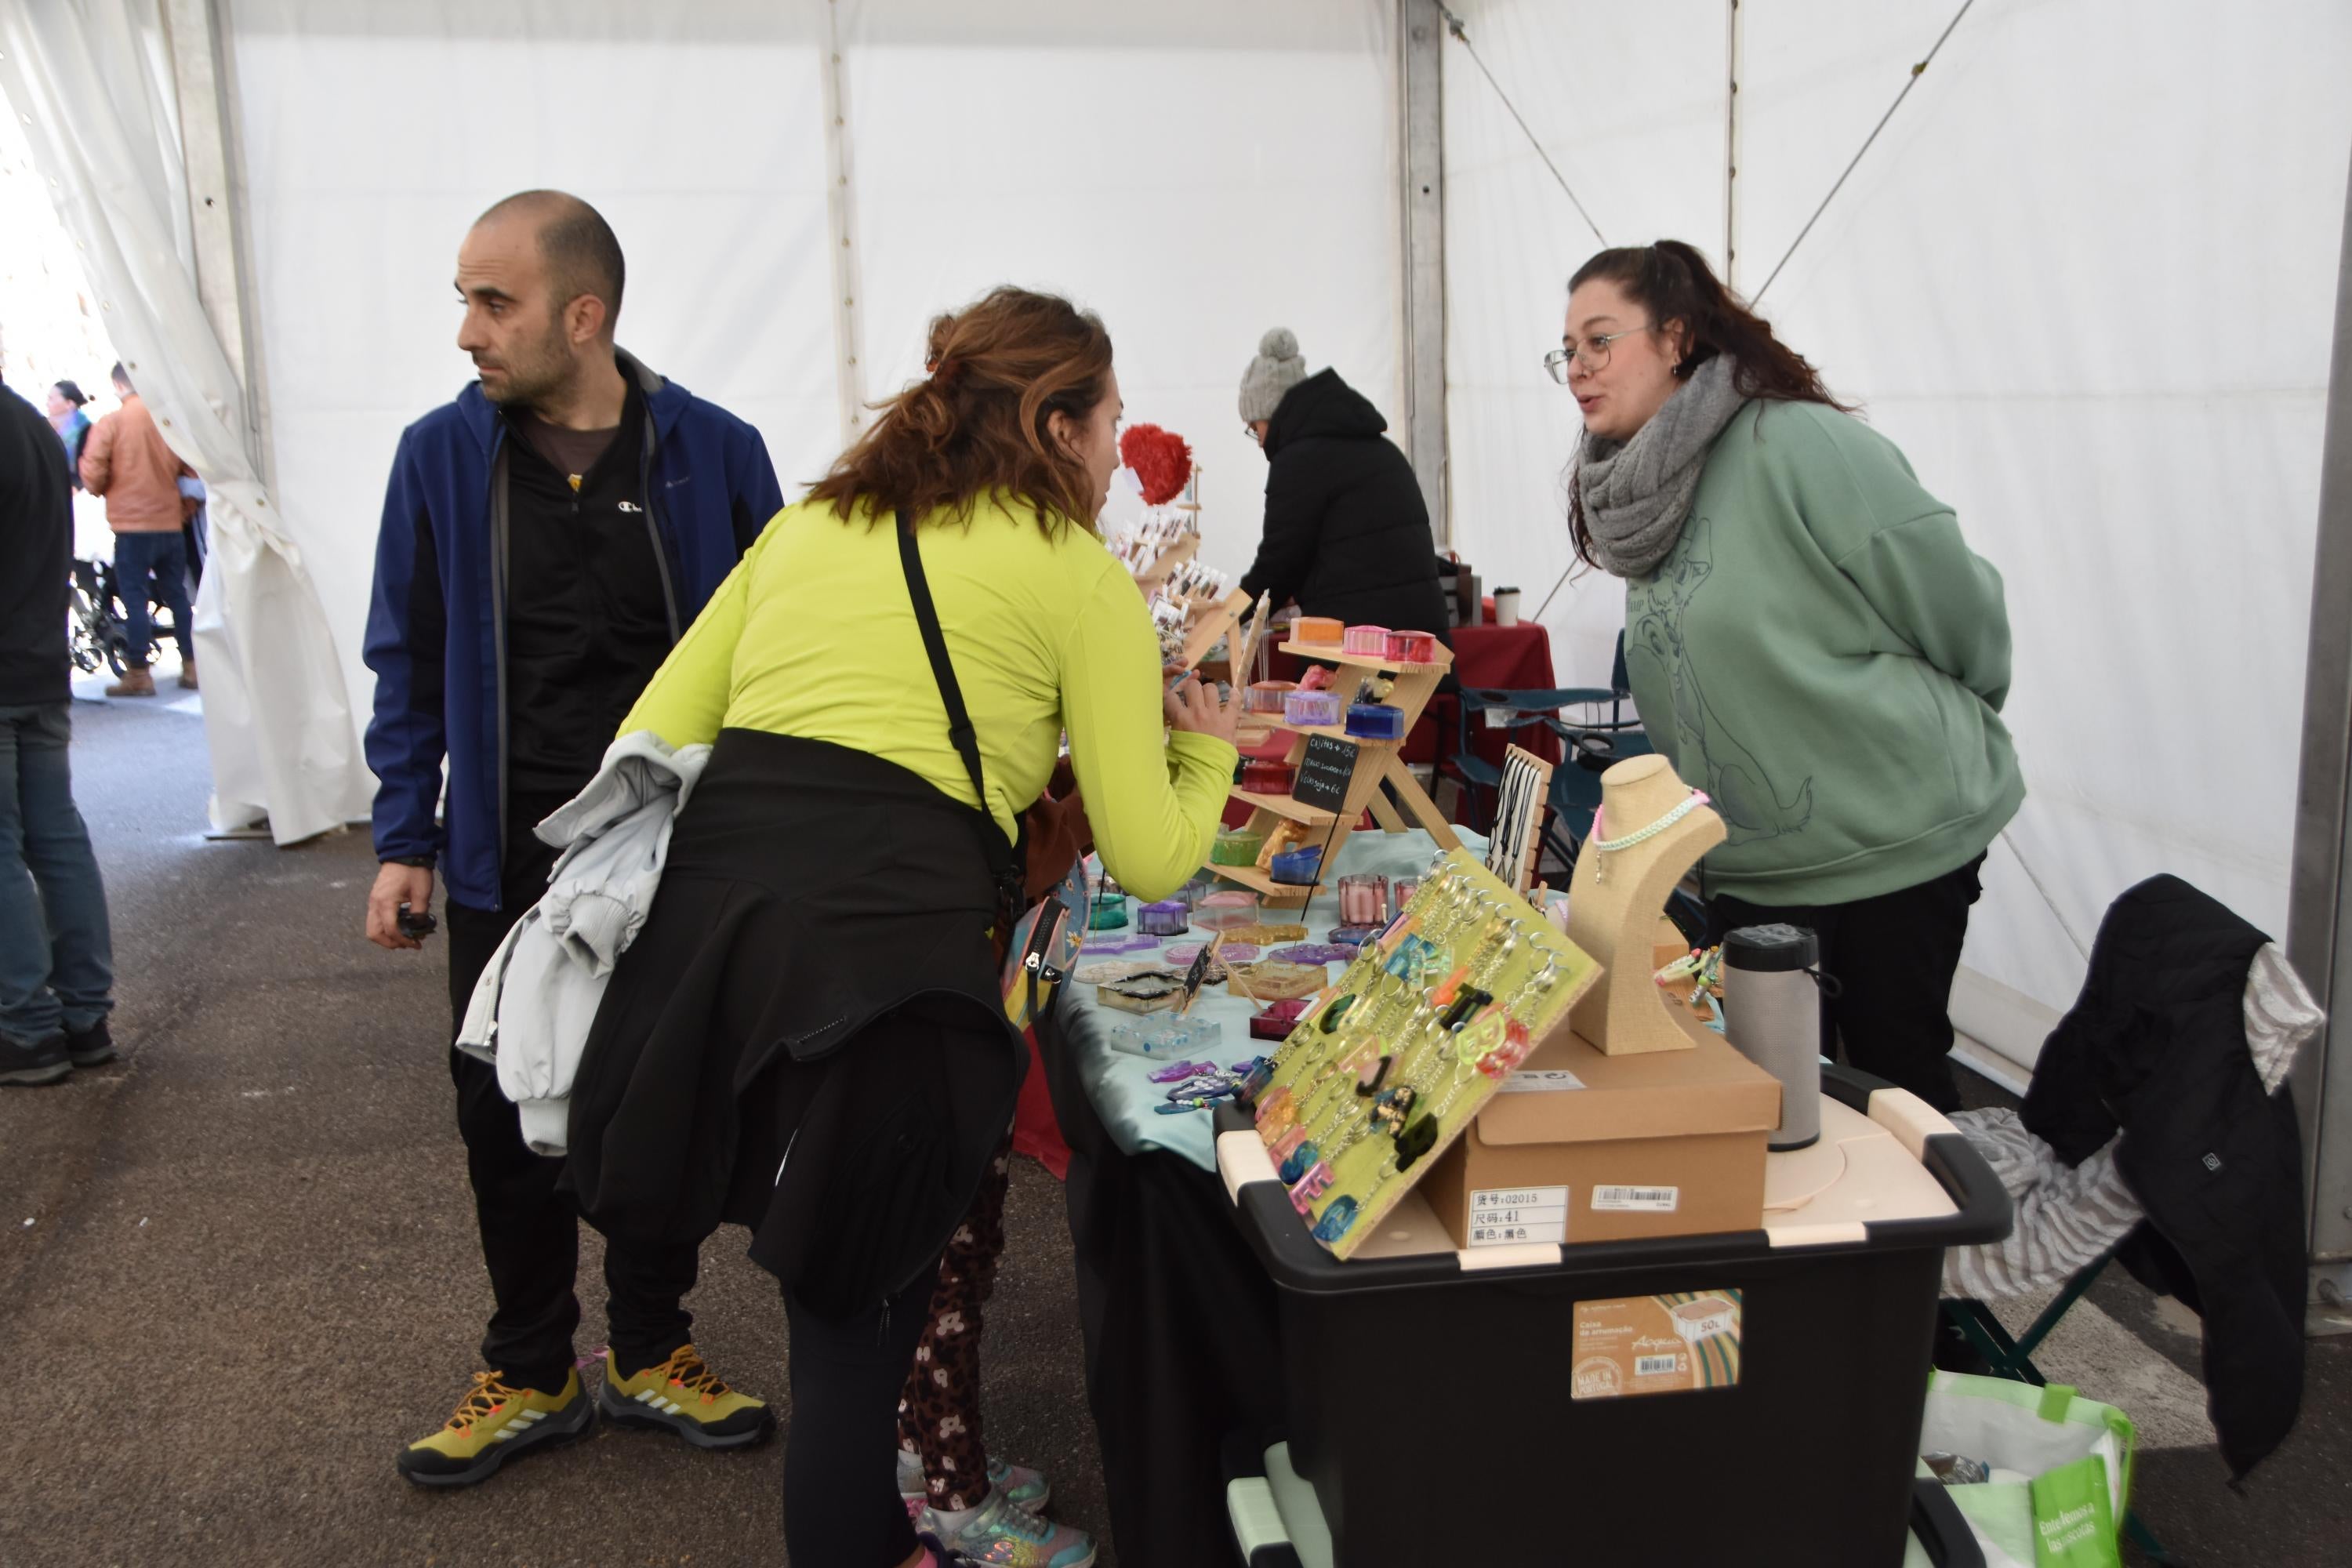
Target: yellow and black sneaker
x=683, y=1397
x=494, y=1423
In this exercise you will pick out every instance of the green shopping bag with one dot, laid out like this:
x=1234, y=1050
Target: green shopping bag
x=2044, y=1475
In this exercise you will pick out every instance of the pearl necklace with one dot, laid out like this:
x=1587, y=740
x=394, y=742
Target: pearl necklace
x=1683, y=808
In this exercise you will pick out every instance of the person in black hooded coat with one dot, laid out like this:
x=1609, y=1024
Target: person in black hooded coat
x=1347, y=532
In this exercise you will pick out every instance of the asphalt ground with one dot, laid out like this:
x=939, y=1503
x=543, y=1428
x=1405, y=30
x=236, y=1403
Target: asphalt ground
x=238, y=1269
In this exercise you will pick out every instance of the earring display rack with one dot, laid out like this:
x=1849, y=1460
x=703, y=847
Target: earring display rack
x=1395, y=1058
x=1284, y=817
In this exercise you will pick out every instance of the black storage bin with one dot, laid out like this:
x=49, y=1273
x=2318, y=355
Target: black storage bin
x=1429, y=1406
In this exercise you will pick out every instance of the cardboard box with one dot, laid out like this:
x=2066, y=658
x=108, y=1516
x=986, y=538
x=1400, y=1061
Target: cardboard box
x=1585, y=1147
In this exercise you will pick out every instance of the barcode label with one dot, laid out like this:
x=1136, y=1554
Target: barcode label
x=1539, y=1080
x=1636, y=1200
x=1504, y=1216
x=1657, y=1366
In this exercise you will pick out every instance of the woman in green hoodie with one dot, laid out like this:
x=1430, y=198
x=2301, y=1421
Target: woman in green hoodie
x=1811, y=642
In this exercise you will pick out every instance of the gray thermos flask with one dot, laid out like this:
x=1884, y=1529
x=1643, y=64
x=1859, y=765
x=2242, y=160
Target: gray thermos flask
x=1773, y=1015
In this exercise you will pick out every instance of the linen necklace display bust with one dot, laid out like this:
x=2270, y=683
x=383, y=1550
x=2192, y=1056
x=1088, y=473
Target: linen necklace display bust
x=1660, y=829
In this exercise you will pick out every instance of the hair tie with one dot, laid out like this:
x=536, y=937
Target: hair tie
x=946, y=371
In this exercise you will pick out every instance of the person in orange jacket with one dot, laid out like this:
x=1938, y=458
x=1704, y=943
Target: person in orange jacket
x=125, y=460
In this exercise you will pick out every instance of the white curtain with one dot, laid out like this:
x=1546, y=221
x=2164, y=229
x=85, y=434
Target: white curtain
x=91, y=81
x=2084, y=279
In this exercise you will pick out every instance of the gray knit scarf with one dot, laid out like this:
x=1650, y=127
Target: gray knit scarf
x=1637, y=494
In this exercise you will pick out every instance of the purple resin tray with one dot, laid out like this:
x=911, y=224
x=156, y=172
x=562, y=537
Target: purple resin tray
x=1184, y=952
x=1104, y=943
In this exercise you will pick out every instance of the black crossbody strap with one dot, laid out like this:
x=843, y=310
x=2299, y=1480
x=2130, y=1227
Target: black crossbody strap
x=965, y=739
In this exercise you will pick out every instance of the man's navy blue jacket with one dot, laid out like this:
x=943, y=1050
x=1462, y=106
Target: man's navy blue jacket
x=436, y=621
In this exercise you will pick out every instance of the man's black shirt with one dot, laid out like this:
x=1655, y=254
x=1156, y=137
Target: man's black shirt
x=587, y=620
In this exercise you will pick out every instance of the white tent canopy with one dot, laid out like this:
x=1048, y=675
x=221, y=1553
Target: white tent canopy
x=2085, y=278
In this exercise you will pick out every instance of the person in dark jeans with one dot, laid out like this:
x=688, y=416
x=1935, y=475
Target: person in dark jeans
x=1894, y=958
x=57, y=960
x=126, y=460
x=547, y=537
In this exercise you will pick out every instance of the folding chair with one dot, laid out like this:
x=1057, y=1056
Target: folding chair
x=2079, y=1212
x=1517, y=711
x=2013, y=1357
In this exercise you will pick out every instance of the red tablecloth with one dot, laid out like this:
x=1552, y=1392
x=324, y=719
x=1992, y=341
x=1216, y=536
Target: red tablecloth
x=1508, y=658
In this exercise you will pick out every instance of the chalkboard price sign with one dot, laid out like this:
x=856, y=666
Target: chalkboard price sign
x=1324, y=771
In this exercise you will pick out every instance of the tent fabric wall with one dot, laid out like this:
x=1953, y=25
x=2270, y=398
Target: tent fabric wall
x=1195, y=178
x=92, y=84
x=2092, y=310
x=376, y=134
x=1628, y=102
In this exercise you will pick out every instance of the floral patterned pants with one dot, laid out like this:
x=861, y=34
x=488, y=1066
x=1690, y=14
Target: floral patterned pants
x=938, y=1410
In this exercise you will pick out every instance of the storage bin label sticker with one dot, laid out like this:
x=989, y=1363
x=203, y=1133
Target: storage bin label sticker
x=1505, y=1216
x=1636, y=1200
x=1631, y=1345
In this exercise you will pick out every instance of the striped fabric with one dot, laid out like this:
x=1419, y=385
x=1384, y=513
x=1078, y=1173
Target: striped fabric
x=2068, y=1216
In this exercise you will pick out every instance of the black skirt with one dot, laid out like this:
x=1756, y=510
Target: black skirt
x=807, y=1037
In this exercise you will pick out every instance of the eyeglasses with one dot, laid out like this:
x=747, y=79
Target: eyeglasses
x=1251, y=431
x=1592, y=353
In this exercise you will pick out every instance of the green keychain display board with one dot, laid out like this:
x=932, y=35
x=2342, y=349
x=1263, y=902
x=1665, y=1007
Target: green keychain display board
x=1394, y=1060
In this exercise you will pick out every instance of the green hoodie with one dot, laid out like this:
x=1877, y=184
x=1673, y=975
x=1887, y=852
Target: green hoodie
x=1826, y=658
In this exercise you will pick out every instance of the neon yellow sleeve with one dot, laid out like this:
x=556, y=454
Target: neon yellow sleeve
x=686, y=702
x=1153, y=807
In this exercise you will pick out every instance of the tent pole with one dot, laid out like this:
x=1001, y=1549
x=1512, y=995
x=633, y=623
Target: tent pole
x=841, y=213
x=1731, y=154
x=2319, y=924
x=1422, y=32
x=210, y=155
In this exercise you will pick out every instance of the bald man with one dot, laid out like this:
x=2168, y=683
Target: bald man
x=547, y=537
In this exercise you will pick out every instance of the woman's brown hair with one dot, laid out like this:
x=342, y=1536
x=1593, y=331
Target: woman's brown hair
x=1673, y=281
x=977, y=426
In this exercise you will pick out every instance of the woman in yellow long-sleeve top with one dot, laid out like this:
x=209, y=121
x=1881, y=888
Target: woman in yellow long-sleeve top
x=807, y=1037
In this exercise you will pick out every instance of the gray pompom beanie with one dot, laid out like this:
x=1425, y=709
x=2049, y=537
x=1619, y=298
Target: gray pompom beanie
x=1275, y=372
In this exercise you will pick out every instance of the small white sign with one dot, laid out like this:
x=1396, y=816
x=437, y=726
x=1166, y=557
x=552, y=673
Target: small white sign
x=1539, y=1080
x=1636, y=1200
x=1504, y=1216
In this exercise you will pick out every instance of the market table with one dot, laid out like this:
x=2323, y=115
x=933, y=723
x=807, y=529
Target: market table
x=1174, y=1306
x=1209, y=1342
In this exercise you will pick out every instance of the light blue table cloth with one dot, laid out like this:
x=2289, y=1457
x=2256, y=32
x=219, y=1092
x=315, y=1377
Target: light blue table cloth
x=1119, y=1083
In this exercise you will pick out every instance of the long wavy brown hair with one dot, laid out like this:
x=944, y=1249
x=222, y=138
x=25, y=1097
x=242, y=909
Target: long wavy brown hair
x=1673, y=281
x=977, y=424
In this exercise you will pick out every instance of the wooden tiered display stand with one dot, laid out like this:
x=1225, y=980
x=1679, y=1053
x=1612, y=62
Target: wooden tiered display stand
x=1209, y=626
x=1376, y=761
